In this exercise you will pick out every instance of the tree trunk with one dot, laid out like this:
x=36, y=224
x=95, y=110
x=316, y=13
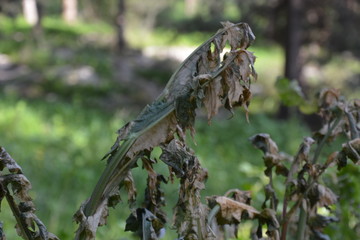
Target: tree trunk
x=69, y=11
x=30, y=11
x=293, y=41
x=120, y=24
x=292, y=48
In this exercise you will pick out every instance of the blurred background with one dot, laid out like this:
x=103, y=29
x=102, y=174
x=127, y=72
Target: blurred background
x=72, y=72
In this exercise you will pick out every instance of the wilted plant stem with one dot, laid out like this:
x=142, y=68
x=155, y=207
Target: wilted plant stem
x=17, y=214
x=323, y=141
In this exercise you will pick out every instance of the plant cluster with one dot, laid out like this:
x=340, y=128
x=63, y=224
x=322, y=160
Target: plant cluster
x=211, y=79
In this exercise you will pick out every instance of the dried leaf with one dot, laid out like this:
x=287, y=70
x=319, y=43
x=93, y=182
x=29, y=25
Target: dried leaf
x=189, y=213
x=143, y=223
x=154, y=136
x=20, y=185
x=6, y=161
x=263, y=142
x=329, y=98
x=239, y=195
x=231, y=211
x=352, y=149
x=270, y=195
x=321, y=196
x=212, y=100
x=130, y=188
x=152, y=182
x=89, y=224
x=268, y=217
x=176, y=156
x=238, y=37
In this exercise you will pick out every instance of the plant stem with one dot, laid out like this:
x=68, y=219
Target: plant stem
x=26, y=234
x=323, y=141
x=301, y=224
x=303, y=214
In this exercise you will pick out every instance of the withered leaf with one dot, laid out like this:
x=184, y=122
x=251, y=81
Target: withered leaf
x=141, y=222
x=352, y=149
x=263, y=142
x=175, y=155
x=238, y=37
x=270, y=195
x=231, y=211
x=130, y=188
x=89, y=224
x=269, y=215
x=20, y=185
x=151, y=189
x=212, y=100
x=328, y=98
x=321, y=196
x=159, y=133
x=6, y=161
x=239, y=195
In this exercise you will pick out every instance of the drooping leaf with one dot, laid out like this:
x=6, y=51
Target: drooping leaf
x=272, y=156
x=352, y=149
x=263, y=142
x=239, y=195
x=212, y=100
x=176, y=156
x=189, y=213
x=6, y=161
x=321, y=196
x=231, y=211
x=268, y=217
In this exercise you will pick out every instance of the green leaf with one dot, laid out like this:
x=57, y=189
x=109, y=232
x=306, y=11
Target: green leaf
x=290, y=92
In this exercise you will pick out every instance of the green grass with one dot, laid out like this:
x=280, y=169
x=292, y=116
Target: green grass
x=19, y=43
